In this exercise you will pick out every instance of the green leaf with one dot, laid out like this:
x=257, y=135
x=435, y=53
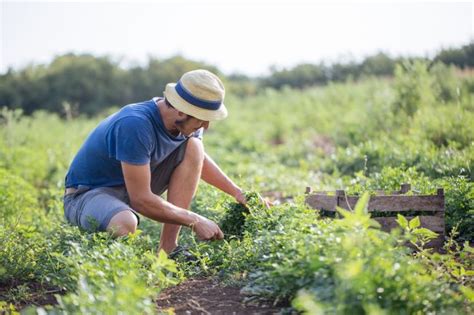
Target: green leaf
x=402, y=221
x=426, y=233
x=468, y=292
x=361, y=206
x=306, y=302
x=414, y=223
x=468, y=248
x=374, y=224
x=345, y=213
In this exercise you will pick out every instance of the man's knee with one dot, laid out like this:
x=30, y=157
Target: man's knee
x=123, y=223
x=194, y=150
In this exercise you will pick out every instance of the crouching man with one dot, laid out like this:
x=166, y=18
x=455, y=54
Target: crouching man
x=134, y=155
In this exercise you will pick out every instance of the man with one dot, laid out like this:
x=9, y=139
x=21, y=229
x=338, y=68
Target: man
x=136, y=154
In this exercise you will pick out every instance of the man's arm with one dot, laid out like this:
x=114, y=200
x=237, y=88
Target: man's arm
x=213, y=175
x=143, y=200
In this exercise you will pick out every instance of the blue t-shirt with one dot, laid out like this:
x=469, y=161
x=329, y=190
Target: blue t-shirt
x=135, y=135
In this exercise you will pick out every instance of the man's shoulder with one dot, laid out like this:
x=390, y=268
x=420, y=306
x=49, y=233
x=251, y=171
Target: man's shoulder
x=136, y=114
x=141, y=109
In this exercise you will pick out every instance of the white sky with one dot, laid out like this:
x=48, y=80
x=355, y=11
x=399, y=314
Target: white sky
x=246, y=36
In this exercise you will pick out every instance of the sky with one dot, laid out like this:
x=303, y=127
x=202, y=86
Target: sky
x=246, y=36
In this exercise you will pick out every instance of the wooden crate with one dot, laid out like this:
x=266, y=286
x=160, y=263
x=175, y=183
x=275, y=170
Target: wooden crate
x=430, y=207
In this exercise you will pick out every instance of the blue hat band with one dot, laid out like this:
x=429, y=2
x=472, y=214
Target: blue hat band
x=188, y=97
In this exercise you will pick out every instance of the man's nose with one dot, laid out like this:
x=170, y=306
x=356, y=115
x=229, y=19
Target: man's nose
x=205, y=125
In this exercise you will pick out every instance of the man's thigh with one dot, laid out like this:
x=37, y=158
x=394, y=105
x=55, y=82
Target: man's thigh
x=161, y=174
x=93, y=209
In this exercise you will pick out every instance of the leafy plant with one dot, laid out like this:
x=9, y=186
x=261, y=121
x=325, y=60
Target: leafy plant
x=375, y=134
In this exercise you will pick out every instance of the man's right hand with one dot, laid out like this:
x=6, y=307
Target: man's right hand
x=206, y=229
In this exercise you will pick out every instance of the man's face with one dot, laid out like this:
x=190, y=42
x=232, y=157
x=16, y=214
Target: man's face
x=190, y=124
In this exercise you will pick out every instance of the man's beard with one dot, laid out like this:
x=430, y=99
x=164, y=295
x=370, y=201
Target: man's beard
x=181, y=123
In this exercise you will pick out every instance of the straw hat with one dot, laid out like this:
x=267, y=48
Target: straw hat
x=199, y=93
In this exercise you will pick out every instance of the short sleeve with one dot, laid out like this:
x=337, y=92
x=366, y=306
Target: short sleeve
x=130, y=140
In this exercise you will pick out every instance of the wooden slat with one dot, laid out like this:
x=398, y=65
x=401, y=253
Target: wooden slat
x=435, y=224
x=391, y=203
x=436, y=243
x=323, y=192
x=397, y=203
x=347, y=202
x=322, y=202
x=379, y=203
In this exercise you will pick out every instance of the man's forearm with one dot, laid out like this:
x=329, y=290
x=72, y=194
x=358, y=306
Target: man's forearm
x=158, y=209
x=213, y=175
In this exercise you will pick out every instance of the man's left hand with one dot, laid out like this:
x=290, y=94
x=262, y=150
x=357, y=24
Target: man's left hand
x=240, y=197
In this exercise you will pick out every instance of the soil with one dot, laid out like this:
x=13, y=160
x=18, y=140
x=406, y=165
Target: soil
x=208, y=296
x=193, y=296
x=37, y=295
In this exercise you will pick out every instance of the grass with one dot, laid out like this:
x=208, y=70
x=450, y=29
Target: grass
x=359, y=136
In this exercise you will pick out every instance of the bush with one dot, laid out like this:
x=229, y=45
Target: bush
x=444, y=126
x=459, y=198
x=18, y=201
x=459, y=194
x=342, y=266
x=445, y=85
x=413, y=86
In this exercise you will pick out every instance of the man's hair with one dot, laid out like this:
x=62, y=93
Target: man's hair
x=171, y=106
x=168, y=103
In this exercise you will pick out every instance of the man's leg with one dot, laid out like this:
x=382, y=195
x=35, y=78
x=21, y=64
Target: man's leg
x=122, y=223
x=101, y=209
x=182, y=187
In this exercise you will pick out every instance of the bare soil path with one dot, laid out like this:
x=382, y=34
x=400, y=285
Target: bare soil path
x=208, y=296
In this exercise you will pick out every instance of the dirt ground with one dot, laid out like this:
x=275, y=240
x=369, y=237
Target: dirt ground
x=193, y=296
x=208, y=296
x=37, y=296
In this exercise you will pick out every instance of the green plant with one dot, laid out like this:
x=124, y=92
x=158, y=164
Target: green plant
x=341, y=266
x=361, y=136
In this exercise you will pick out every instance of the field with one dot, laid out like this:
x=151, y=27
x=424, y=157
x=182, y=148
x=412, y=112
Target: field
x=360, y=136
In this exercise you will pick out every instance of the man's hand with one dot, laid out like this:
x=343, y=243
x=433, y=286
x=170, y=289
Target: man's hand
x=206, y=229
x=267, y=203
x=240, y=198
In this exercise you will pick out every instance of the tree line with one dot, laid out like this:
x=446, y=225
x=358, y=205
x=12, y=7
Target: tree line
x=86, y=84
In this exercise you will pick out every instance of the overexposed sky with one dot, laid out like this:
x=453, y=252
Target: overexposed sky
x=246, y=36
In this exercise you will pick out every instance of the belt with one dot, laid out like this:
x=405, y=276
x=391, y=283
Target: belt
x=70, y=190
